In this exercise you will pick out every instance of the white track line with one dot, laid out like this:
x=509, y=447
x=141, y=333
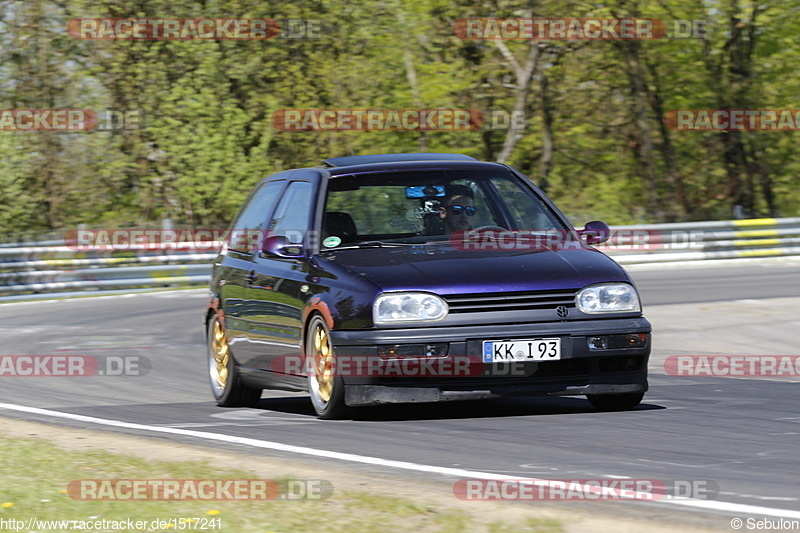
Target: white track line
x=457, y=472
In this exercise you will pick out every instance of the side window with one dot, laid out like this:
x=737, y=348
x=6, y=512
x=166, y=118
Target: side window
x=381, y=209
x=527, y=210
x=293, y=212
x=246, y=230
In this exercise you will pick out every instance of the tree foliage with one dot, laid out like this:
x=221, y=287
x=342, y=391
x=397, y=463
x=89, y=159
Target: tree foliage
x=593, y=135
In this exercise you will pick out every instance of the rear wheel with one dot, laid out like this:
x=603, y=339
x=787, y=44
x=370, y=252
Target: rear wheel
x=226, y=382
x=325, y=387
x=615, y=402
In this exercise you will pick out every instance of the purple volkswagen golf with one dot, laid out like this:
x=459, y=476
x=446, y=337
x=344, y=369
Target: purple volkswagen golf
x=408, y=278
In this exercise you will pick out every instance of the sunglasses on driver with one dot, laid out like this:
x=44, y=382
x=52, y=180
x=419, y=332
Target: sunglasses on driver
x=456, y=209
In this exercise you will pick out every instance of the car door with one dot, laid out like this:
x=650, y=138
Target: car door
x=274, y=297
x=236, y=261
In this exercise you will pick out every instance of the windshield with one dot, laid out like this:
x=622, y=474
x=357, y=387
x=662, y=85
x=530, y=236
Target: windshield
x=428, y=206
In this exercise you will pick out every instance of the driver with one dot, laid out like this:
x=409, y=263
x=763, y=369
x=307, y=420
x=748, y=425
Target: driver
x=458, y=208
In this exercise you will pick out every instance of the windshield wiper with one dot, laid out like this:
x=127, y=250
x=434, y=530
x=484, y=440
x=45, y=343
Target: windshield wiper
x=370, y=244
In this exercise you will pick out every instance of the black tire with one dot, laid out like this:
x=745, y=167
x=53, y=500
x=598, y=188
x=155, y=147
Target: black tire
x=226, y=382
x=615, y=402
x=325, y=386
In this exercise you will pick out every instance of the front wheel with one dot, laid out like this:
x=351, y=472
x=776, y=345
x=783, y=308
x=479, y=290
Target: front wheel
x=325, y=386
x=615, y=402
x=226, y=383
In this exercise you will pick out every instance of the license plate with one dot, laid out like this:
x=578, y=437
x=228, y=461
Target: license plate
x=525, y=350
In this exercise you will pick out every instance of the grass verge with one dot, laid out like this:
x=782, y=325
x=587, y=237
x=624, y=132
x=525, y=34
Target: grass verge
x=36, y=474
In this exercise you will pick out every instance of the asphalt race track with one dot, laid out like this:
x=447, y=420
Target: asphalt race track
x=740, y=434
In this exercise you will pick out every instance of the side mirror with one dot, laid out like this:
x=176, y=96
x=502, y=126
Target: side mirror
x=279, y=246
x=595, y=232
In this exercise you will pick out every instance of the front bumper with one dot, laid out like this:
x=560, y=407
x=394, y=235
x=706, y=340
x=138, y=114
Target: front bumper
x=581, y=370
x=362, y=395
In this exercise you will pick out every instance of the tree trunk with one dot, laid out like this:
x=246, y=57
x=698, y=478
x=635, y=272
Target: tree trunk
x=631, y=51
x=734, y=86
x=546, y=159
x=679, y=205
x=411, y=76
x=523, y=75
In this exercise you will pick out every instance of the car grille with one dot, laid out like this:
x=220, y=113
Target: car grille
x=510, y=301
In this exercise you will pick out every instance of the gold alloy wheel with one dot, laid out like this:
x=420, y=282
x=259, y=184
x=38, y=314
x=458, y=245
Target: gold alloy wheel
x=219, y=349
x=323, y=362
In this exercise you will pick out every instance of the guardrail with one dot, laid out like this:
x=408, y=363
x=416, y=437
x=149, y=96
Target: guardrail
x=698, y=241
x=50, y=267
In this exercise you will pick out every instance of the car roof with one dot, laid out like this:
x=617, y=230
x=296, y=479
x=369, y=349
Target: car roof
x=408, y=161
x=384, y=158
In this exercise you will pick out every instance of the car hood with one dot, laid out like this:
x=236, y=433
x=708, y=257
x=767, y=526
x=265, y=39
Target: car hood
x=450, y=271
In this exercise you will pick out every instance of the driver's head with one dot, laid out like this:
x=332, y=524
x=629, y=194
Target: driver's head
x=458, y=208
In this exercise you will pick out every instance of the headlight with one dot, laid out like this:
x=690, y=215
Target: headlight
x=608, y=298
x=396, y=307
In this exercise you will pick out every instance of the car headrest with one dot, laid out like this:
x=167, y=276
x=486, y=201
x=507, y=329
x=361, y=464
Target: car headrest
x=433, y=223
x=340, y=225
